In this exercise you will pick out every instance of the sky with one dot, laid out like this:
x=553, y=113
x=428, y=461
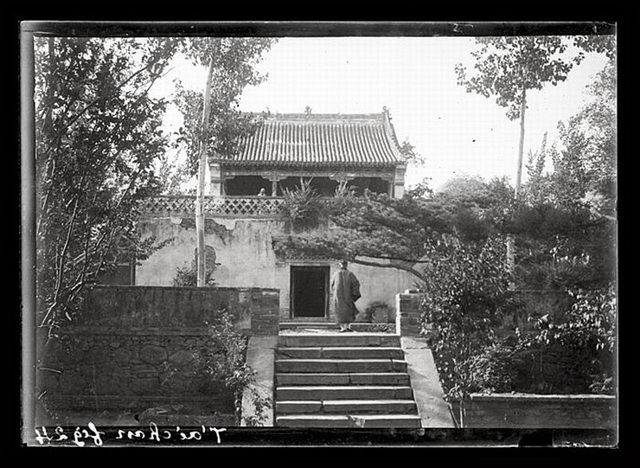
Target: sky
x=457, y=133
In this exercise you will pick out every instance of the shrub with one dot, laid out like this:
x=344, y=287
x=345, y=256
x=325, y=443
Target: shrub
x=467, y=294
x=584, y=335
x=302, y=207
x=226, y=363
x=222, y=364
x=188, y=276
x=381, y=308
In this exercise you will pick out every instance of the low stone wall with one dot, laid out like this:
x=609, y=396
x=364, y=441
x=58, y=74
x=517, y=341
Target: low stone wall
x=529, y=411
x=133, y=348
x=255, y=310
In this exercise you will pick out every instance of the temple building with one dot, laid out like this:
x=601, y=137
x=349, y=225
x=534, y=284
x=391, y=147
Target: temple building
x=359, y=150
x=245, y=193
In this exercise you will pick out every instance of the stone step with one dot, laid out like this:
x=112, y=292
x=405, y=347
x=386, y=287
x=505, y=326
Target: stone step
x=339, y=365
x=347, y=378
x=326, y=340
x=343, y=392
x=314, y=324
x=359, y=420
x=346, y=406
x=323, y=327
x=341, y=352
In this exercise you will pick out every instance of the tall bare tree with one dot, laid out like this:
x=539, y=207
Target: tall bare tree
x=213, y=122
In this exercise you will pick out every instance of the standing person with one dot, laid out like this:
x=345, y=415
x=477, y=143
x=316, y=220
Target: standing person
x=345, y=289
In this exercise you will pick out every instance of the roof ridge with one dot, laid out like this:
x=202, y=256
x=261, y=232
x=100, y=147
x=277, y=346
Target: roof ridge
x=320, y=116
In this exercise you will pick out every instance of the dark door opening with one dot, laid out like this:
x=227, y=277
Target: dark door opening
x=309, y=291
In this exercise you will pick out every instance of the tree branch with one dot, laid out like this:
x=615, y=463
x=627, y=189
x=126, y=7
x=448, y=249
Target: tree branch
x=396, y=266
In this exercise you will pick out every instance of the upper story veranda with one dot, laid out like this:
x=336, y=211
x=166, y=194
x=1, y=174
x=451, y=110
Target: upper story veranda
x=359, y=151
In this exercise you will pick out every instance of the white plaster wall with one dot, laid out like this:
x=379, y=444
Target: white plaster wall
x=380, y=284
x=244, y=251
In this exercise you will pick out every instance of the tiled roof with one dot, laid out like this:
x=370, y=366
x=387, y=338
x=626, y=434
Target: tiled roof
x=322, y=140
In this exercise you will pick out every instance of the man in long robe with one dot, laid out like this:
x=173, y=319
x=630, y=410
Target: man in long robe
x=345, y=289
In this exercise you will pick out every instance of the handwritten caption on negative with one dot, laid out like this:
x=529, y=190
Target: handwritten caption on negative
x=90, y=435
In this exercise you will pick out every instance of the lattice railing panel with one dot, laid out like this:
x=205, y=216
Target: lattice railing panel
x=218, y=206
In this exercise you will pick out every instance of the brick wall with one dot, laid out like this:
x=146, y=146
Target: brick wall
x=132, y=347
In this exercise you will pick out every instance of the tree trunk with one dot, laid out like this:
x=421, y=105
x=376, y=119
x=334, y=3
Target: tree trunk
x=202, y=161
x=511, y=248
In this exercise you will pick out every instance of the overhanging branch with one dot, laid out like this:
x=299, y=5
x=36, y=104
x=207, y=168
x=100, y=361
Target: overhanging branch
x=395, y=266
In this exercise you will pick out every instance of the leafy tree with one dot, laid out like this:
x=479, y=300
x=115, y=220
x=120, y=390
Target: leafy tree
x=386, y=232
x=584, y=166
x=566, y=223
x=374, y=230
x=467, y=296
x=507, y=68
x=97, y=133
x=212, y=120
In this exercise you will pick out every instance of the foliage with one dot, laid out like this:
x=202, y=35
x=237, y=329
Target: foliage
x=411, y=155
x=188, y=275
x=234, y=62
x=376, y=306
x=508, y=66
x=225, y=363
x=589, y=324
x=97, y=133
x=585, y=163
x=387, y=232
x=467, y=293
x=302, y=208
x=174, y=175
x=477, y=209
x=567, y=220
x=492, y=370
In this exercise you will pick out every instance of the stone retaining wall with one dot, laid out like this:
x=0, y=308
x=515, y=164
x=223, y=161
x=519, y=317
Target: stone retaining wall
x=133, y=348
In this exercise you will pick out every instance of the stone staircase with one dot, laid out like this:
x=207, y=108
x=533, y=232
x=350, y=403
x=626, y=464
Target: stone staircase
x=330, y=379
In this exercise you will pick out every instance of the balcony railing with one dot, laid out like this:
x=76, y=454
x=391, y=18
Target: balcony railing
x=229, y=206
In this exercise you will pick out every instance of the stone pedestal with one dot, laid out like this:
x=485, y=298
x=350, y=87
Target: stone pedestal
x=408, y=314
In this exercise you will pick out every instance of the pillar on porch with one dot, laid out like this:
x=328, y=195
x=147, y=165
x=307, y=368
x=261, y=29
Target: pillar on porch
x=341, y=179
x=398, y=183
x=216, y=178
x=274, y=179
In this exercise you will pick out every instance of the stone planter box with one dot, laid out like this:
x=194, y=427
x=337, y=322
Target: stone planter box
x=529, y=411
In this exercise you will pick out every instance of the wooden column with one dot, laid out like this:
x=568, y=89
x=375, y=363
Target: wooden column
x=274, y=184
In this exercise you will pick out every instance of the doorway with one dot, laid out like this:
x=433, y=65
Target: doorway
x=309, y=291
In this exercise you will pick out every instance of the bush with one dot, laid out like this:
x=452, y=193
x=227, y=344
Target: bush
x=583, y=337
x=378, y=312
x=222, y=363
x=467, y=294
x=302, y=207
x=188, y=276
